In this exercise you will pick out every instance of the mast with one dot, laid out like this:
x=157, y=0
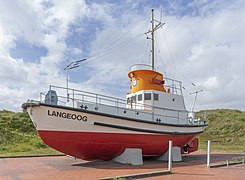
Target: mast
x=152, y=38
x=152, y=30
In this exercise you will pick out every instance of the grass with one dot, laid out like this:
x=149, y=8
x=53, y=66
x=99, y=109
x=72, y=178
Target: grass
x=19, y=137
x=227, y=126
x=29, y=146
x=221, y=147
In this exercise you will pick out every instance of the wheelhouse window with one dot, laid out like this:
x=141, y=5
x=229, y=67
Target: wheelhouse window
x=140, y=97
x=133, y=99
x=147, y=96
x=156, y=97
x=128, y=100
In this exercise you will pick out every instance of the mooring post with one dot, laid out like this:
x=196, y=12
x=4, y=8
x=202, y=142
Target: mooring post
x=208, y=153
x=170, y=156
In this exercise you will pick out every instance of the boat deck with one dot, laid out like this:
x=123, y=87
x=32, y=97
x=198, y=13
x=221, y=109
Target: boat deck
x=62, y=167
x=97, y=103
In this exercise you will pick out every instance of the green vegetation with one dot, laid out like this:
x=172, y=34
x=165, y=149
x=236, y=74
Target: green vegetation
x=19, y=137
x=226, y=126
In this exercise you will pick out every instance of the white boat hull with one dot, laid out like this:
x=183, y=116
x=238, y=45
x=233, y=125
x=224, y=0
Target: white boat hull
x=89, y=135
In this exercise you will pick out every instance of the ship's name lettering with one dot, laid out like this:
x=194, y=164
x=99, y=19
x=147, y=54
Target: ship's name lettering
x=67, y=115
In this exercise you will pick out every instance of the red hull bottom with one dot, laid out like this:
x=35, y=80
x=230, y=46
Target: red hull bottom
x=105, y=146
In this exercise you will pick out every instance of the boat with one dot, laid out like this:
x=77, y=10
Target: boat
x=92, y=126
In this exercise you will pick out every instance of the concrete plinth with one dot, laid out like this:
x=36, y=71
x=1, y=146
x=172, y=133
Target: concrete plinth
x=131, y=156
x=176, y=155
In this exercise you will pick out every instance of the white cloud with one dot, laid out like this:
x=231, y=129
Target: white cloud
x=211, y=83
x=34, y=23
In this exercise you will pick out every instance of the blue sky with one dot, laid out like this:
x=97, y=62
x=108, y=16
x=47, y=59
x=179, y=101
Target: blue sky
x=39, y=38
x=27, y=51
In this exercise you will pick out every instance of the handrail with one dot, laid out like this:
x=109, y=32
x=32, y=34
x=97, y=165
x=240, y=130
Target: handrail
x=98, y=99
x=134, y=110
x=141, y=67
x=166, y=78
x=118, y=100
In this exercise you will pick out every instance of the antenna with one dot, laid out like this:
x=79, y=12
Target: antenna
x=196, y=92
x=72, y=65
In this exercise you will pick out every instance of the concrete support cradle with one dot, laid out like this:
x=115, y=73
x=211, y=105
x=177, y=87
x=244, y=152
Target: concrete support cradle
x=131, y=156
x=176, y=155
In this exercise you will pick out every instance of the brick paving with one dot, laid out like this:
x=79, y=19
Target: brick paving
x=62, y=167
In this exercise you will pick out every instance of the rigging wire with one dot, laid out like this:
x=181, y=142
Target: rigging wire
x=147, y=46
x=161, y=59
x=109, y=46
x=109, y=50
x=172, y=59
x=149, y=58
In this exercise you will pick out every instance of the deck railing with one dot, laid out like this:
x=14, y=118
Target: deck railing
x=141, y=67
x=116, y=106
x=173, y=85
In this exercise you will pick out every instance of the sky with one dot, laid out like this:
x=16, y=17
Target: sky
x=201, y=44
